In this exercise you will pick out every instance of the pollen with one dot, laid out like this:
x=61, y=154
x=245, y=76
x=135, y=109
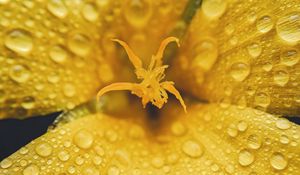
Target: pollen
x=151, y=88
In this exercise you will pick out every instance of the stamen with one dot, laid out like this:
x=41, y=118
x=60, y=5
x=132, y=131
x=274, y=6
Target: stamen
x=150, y=89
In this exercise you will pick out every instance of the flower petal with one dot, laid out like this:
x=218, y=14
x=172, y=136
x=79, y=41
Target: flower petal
x=210, y=139
x=249, y=56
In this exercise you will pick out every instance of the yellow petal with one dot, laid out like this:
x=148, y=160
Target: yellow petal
x=245, y=53
x=209, y=139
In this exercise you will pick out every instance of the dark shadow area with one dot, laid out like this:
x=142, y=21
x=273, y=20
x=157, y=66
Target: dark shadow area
x=16, y=133
x=294, y=119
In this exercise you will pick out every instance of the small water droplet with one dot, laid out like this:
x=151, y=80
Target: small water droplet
x=242, y=126
x=19, y=40
x=58, y=54
x=281, y=77
x=278, y=161
x=245, y=157
x=253, y=141
x=83, y=139
x=28, y=102
x=288, y=27
x=6, y=163
x=31, y=170
x=283, y=123
x=113, y=171
x=138, y=12
x=69, y=90
x=91, y=171
x=254, y=50
x=192, y=149
x=90, y=12
x=43, y=149
x=63, y=156
x=178, y=129
x=264, y=24
x=19, y=73
x=79, y=44
x=239, y=71
x=262, y=99
x=284, y=139
x=232, y=130
x=290, y=57
x=57, y=8
x=214, y=8
x=157, y=162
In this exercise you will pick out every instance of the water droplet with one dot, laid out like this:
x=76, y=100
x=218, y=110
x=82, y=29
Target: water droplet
x=264, y=24
x=283, y=123
x=254, y=50
x=4, y=1
x=83, y=139
x=239, y=71
x=113, y=171
x=69, y=90
x=138, y=12
x=90, y=12
x=214, y=8
x=290, y=57
x=19, y=40
x=79, y=44
x=157, y=162
x=288, y=27
x=281, y=77
x=253, y=141
x=278, y=161
x=242, y=126
x=79, y=160
x=206, y=54
x=284, y=139
x=58, y=54
x=23, y=150
x=43, y=149
x=28, y=102
x=19, y=73
x=111, y=135
x=31, y=170
x=63, y=156
x=6, y=163
x=57, y=8
x=192, y=149
x=178, y=129
x=245, y=157
x=122, y=156
x=262, y=99
x=252, y=17
x=71, y=170
x=97, y=160
x=232, y=130
x=91, y=171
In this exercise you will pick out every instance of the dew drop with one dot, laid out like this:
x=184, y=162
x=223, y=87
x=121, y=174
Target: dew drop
x=206, y=54
x=232, y=130
x=254, y=142
x=19, y=40
x=214, y=8
x=58, y=54
x=239, y=71
x=283, y=123
x=192, y=149
x=138, y=12
x=63, y=156
x=281, y=77
x=157, y=162
x=19, y=73
x=6, y=163
x=278, y=161
x=28, y=102
x=254, y=50
x=43, y=149
x=178, y=129
x=113, y=171
x=290, y=57
x=83, y=139
x=91, y=171
x=90, y=12
x=79, y=44
x=69, y=90
x=57, y=8
x=242, y=126
x=264, y=24
x=245, y=157
x=284, y=139
x=288, y=27
x=262, y=99
x=31, y=170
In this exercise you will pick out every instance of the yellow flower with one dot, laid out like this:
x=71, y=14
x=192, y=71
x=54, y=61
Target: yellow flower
x=240, y=58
